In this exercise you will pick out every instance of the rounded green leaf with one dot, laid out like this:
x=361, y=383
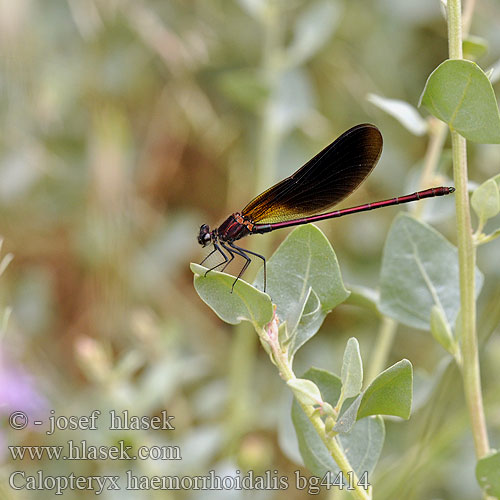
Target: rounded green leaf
x=352, y=369
x=362, y=445
x=305, y=391
x=459, y=93
x=488, y=474
x=419, y=270
x=485, y=200
x=304, y=281
x=246, y=303
x=390, y=393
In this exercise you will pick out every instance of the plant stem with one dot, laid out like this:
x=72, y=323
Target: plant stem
x=270, y=336
x=455, y=29
x=467, y=260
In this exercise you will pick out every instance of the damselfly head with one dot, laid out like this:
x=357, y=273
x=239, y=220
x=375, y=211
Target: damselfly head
x=204, y=238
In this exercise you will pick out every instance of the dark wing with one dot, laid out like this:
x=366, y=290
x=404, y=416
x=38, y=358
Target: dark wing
x=323, y=181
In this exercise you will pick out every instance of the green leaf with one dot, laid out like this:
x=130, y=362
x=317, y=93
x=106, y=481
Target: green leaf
x=313, y=29
x=419, y=270
x=305, y=391
x=362, y=445
x=441, y=330
x=246, y=303
x=305, y=283
x=347, y=419
x=474, y=47
x=390, y=393
x=352, y=369
x=485, y=200
x=488, y=474
x=459, y=93
x=404, y=112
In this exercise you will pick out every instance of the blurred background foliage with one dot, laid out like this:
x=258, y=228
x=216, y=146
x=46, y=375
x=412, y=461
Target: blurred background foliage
x=125, y=126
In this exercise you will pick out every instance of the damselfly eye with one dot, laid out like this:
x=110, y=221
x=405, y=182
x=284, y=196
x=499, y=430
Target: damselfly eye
x=204, y=237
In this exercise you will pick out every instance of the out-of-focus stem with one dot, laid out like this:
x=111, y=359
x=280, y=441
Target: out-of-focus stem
x=467, y=15
x=383, y=345
x=240, y=374
x=245, y=345
x=269, y=137
x=437, y=135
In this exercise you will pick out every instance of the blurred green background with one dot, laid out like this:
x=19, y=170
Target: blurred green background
x=125, y=125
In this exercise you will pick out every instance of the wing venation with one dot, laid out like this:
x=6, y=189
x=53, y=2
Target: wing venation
x=325, y=180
